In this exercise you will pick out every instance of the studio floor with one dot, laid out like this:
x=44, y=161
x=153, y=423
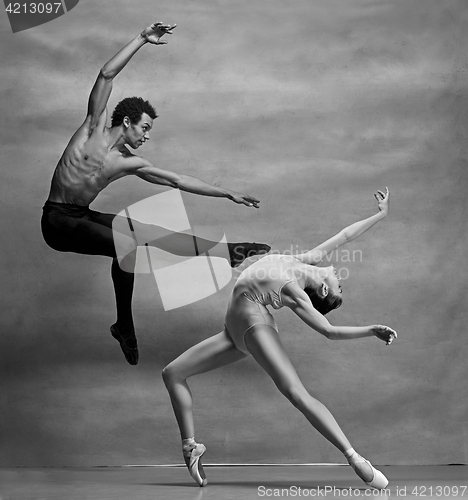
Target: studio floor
x=228, y=482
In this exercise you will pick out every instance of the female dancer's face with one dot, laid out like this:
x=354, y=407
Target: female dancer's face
x=332, y=280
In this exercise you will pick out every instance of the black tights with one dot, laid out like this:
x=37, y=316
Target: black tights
x=75, y=228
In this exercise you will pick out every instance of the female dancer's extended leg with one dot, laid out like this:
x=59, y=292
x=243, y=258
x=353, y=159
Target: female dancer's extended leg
x=212, y=353
x=265, y=346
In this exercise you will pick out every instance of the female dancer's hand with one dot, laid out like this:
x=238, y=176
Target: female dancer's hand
x=385, y=333
x=383, y=200
x=152, y=34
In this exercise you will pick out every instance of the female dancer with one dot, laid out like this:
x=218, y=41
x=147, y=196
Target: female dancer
x=311, y=292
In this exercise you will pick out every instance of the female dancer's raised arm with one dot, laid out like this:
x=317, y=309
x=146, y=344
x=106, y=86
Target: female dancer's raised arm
x=317, y=254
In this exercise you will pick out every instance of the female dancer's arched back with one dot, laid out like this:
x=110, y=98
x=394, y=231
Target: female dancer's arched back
x=309, y=291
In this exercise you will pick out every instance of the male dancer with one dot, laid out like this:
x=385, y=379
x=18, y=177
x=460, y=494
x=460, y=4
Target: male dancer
x=98, y=155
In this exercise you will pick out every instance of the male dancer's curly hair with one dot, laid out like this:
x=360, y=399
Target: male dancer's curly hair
x=323, y=304
x=133, y=107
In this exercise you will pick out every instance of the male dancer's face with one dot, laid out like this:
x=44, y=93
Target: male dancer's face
x=138, y=133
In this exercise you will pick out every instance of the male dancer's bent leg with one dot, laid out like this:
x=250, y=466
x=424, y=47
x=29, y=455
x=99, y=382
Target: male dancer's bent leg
x=69, y=228
x=123, y=330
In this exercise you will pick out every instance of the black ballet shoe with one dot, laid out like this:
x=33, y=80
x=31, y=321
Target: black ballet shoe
x=238, y=252
x=128, y=345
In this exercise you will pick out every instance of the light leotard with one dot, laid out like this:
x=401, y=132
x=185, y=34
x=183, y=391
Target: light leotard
x=257, y=287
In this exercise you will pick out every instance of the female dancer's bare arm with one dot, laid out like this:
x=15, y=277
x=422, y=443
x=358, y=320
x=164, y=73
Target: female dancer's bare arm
x=298, y=301
x=316, y=255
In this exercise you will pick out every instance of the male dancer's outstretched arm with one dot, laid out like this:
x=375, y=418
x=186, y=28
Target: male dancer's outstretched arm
x=144, y=169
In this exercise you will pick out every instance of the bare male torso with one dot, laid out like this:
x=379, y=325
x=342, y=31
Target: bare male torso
x=88, y=165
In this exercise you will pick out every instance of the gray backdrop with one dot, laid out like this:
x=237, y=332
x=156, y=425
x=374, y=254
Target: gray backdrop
x=309, y=105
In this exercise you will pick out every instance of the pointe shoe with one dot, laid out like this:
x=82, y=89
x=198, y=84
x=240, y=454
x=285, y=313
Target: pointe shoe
x=192, y=459
x=379, y=481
